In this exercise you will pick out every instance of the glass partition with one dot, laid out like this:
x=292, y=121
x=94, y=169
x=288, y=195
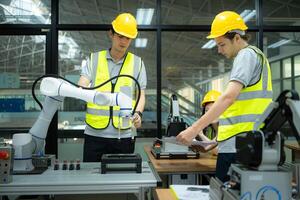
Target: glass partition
x=297, y=84
x=103, y=12
x=25, y=12
x=297, y=65
x=282, y=49
x=281, y=13
x=22, y=60
x=203, y=12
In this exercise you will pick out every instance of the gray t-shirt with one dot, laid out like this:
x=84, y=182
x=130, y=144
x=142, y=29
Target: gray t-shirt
x=247, y=68
x=114, y=68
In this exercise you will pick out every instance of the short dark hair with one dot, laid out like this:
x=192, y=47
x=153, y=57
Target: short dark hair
x=112, y=30
x=230, y=36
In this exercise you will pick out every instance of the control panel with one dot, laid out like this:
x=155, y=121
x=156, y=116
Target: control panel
x=6, y=162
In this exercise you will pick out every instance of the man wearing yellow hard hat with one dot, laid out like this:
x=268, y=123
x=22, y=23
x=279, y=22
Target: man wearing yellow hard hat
x=247, y=95
x=210, y=132
x=102, y=133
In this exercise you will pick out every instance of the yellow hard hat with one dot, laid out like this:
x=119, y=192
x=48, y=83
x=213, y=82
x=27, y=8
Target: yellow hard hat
x=125, y=24
x=226, y=21
x=210, y=96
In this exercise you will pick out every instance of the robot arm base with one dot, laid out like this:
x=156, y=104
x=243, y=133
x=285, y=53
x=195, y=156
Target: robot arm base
x=22, y=143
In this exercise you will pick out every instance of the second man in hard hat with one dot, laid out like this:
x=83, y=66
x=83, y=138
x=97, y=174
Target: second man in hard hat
x=210, y=132
x=248, y=93
x=102, y=135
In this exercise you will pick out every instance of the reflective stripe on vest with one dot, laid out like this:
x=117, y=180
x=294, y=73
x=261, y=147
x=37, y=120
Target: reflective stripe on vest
x=249, y=105
x=98, y=117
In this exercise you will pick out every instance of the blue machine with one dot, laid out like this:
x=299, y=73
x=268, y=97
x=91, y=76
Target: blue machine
x=12, y=105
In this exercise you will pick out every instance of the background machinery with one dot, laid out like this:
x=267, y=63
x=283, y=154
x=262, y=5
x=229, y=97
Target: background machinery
x=261, y=172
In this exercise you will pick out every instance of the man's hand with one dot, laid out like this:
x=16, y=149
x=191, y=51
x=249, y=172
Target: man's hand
x=197, y=148
x=137, y=120
x=186, y=137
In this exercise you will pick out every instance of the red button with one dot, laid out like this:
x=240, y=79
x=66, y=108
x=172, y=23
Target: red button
x=4, y=155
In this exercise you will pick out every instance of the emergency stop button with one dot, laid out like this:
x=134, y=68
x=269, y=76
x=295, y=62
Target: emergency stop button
x=4, y=155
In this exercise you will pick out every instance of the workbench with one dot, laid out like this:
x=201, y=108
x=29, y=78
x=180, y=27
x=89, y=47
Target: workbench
x=87, y=180
x=204, y=165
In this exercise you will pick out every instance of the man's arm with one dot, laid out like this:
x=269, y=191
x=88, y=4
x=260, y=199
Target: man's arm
x=137, y=120
x=141, y=105
x=223, y=102
x=83, y=81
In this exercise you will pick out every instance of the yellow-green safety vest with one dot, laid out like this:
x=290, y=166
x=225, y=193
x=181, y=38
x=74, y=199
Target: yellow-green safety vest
x=98, y=117
x=249, y=105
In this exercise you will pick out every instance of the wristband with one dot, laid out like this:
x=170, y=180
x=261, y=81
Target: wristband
x=139, y=113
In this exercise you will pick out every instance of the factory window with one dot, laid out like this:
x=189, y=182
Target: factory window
x=75, y=48
x=287, y=84
x=297, y=73
x=280, y=45
x=276, y=78
x=281, y=13
x=203, y=12
x=282, y=48
x=276, y=89
x=275, y=69
x=287, y=73
x=287, y=68
x=22, y=60
x=297, y=84
x=25, y=12
x=297, y=65
x=103, y=12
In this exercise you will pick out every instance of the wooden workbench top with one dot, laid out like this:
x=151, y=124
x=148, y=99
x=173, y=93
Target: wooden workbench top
x=206, y=163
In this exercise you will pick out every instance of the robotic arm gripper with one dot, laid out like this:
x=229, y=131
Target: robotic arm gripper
x=55, y=89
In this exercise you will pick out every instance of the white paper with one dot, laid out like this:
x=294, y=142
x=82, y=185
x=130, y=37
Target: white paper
x=191, y=192
x=194, y=142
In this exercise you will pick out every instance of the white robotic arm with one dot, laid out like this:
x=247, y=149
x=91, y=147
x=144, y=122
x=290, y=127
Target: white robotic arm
x=55, y=90
x=57, y=87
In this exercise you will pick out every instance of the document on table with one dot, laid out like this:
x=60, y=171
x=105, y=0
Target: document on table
x=194, y=142
x=190, y=192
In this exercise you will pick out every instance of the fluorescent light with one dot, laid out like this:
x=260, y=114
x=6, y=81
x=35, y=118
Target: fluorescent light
x=209, y=45
x=246, y=15
x=250, y=15
x=144, y=16
x=141, y=42
x=279, y=43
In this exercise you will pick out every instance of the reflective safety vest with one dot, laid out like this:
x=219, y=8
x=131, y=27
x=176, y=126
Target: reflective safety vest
x=98, y=117
x=249, y=105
